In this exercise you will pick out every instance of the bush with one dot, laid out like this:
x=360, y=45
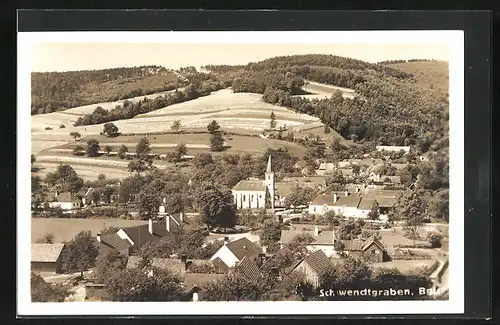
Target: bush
x=387, y=225
x=434, y=240
x=62, y=126
x=371, y=226
x=48, y=128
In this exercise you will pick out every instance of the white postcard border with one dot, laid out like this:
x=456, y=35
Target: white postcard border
x=455, y=304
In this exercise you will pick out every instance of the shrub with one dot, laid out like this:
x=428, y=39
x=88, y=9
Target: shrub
x=48, y=128
x=62, y=126
x=434, y=240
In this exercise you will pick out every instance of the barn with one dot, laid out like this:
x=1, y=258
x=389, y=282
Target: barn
x=46, y=258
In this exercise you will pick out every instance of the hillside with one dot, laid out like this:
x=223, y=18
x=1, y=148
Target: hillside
x=432, y=74
x=56, y=91
x=392, y=106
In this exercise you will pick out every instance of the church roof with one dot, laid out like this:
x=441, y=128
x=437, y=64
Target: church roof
x=250, y=185
x=269, y=169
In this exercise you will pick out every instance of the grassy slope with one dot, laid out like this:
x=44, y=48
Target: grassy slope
x=433, y=74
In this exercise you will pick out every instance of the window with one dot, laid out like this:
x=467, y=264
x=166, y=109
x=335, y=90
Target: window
x=244, y=198
x=260, y=196
x=314, y=209
x=252, y=198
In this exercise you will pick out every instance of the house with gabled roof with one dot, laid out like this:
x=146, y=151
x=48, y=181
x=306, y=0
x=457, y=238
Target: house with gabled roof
x=323, y=239
x=64, y=200
x=248, y=268
x=46, y=258
x=313, y=266
x=372, y=250
x=233, y=252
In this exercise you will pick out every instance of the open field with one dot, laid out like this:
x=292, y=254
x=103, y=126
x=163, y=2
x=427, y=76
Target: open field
x=64, y=229
x=322, y=91
x=405, y=265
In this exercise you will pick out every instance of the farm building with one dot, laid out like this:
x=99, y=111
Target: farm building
x=313, y=266
x=46, y=258
x=325, y=169
x=233, y=252
x=372, y=249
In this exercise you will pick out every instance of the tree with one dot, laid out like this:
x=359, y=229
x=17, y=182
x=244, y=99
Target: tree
x=233, y=287
x=434, y=240
x=271, y=233
x=48, y=238
x=150, y=284
x=75, y=135
x=93, y=148
x=122, y=152
x=327, y=129
x=79, y=151
x=272, y=122
x=374, y=213
x=176, y=125
x=179, y=152
x=216, y=142
x=80, y=253
x=349, y=273
x=148, y=204
x=143, y=149
x=338, y=246
x=41, y=291
x=349, y=229
x=136, y=166
x=215, y=205
x=201, y=160
x=337, y=177
x=213, y=127
x=33, y=159
x=109, y=263
x=411, y=207
x=65, y=178
x=108, y=149
x=300, y=196
x=110, y=129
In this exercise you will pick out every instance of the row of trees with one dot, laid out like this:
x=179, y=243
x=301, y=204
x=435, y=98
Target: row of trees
x=54, y=91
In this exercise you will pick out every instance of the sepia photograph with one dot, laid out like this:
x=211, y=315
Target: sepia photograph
x=287, y=168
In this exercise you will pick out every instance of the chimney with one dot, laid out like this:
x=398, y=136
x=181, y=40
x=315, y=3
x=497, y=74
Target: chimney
x=346, y=193
x=181, y=216
x=56, y=193
x=226, y=240
x=183, y=263
x=260, y=259
x=164, y=200
x=98, y=237
x=335, y=198
x=167, y=222
x=333, y=236
x=264, y=250
x=316, y=231
x=150, y=226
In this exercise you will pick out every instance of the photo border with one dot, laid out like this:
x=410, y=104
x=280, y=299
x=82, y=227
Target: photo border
x=480, y=172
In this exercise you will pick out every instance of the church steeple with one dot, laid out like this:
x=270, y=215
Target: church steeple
x=269, y=170
x=270, y=182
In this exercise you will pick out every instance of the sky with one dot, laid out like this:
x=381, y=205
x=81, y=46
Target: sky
x=89, y=56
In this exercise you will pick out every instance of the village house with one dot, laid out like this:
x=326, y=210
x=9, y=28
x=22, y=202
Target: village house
x=131, y=239
x=325, y=169
x=46, y=258
x=371, y=250
x=324, y=240
x=194, y=281
x=249, y=267
x=313, y=266
x=64, y=200
x=233, y=252
x=378, y=178
x=349, y=205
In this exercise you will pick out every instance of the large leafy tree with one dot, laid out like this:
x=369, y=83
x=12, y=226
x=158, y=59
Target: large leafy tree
x=411, y=208
x=109, y=263
x=65, y=178
x=110, y=129
x=143, y=149
x=216, y=142
x=148, y=204
x=93, y=148
x=80, y=253
x=215, y=205
x=149, y=284
x=300, y=196
x=213, y=127
x=41, y=291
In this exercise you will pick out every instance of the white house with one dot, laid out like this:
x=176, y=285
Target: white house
x=256, y=194
x=324, y=240
x=349, y=205
x=231, y=253
x=65, y=201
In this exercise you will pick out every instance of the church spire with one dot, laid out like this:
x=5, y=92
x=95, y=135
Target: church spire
x=269, y=170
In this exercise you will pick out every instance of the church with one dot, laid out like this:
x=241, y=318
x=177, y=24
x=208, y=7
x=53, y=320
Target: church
x=256, y=194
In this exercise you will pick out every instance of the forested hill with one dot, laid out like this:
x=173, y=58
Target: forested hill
x=55, y=91
x=393, y=107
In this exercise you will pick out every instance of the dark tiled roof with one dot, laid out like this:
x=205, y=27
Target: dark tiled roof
x=140, y=235
x=220, y=266
x=323, y=199
x=199, y=279
x=353, y=244
x=367, y=203
x=64, y=197
x=318, y=261
x=46, y=252
x=348, y=201
x=243, y=247
x=249, y=269
x=114, y=241
x=250, y=185
x=374, y=241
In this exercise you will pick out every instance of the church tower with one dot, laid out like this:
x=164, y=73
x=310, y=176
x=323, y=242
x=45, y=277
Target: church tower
x=270, y=183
